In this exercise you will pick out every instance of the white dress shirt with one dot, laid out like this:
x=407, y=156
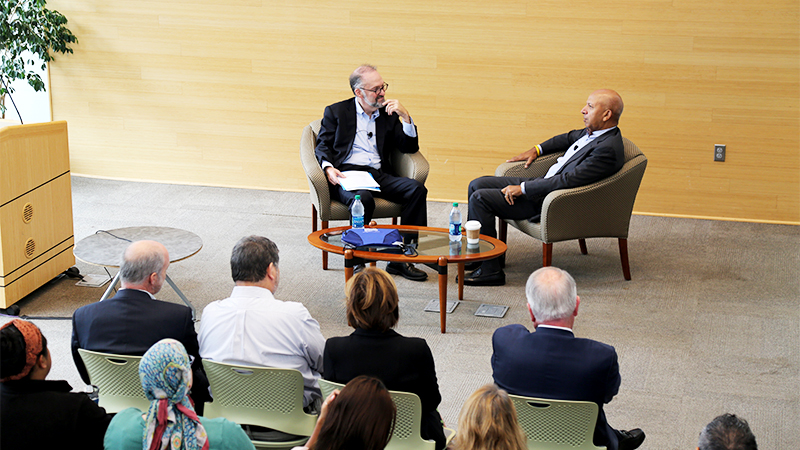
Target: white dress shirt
x=253, y=328
x=576, y=147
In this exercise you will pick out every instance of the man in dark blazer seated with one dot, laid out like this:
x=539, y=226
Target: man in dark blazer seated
x=360, y=134
x=552, y=363
x=133, y=320
x=592, y=154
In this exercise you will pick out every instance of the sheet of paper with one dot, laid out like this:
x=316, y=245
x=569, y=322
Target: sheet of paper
x=357, y=180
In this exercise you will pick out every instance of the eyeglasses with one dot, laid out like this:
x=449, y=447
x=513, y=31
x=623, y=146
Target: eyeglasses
x=378, y=89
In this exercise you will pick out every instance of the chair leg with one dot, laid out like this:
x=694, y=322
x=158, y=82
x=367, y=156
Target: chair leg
x=547, y=254
x=394, y=220
x=313, y=218
x=582, y=243
x=502, y=230
x=324, y=253
x=623, y=256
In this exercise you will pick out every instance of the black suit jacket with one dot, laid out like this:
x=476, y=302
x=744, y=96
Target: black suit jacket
x=338, y=131
x=553, y=363
x=402, y=363
x=599, y=159
x=129, y=324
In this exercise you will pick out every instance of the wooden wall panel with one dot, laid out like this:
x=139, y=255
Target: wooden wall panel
x=217, y=92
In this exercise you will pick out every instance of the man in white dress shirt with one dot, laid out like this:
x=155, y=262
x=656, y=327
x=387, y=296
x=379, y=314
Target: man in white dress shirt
x=252, y=327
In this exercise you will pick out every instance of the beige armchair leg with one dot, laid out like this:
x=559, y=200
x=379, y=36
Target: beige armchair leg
x=582, y=244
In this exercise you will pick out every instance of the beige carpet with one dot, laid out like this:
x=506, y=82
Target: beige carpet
x=709, y=324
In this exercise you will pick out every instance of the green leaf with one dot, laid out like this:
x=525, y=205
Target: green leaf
x=27, y=25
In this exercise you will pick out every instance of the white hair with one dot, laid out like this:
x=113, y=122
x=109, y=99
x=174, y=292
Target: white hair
x=551, y=294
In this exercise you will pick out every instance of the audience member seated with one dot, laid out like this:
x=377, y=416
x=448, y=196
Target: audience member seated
x=488, y=421
x=36, y=413
x=552, y=363
x=360, y=417
x=727, y=432
x=402, y=363
x=171, y=421
x=133, y=320
x=251, y=327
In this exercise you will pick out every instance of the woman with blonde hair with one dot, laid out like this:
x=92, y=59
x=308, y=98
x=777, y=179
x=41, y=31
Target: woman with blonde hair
x=488, y=421
x=374, y=348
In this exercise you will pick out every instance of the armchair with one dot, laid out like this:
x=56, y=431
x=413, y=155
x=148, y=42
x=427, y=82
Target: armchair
x=411, y=165
x=600, y=209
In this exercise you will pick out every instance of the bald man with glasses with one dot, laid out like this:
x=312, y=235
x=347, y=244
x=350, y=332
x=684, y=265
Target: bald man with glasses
x=360, y=134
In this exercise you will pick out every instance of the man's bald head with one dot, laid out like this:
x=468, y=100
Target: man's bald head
x=611, y=100
x=603, y=109
x=144, y=266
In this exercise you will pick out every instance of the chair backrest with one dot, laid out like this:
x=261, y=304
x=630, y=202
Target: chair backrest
x=556, y=424
x=263, y=396
x=600, y=209
x=117, y=380
x=317, y=181
x=407, y=424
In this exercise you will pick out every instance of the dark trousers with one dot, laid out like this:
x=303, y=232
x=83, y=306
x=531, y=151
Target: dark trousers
x=486, y=202
x=408, y=192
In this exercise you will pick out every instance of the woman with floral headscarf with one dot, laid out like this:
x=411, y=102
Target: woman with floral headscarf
x=171, y=422
x=36, y=413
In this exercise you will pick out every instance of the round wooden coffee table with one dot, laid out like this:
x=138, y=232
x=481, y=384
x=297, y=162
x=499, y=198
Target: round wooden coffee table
x=433, y=247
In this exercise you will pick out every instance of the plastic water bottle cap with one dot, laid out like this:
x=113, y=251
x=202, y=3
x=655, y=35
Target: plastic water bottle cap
x=455, y=204
x=358, y=197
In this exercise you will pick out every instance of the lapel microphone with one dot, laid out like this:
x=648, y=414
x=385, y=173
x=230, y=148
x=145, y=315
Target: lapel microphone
x=369, y=134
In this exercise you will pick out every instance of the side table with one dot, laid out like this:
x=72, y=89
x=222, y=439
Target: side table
x=105, y=248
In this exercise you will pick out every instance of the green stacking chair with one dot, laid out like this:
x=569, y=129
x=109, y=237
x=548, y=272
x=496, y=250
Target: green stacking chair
x=262, y=396
x=409, y=417
x=556, y=424
x=117, y=380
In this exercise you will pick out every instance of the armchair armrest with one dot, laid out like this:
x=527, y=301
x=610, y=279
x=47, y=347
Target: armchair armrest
x=538, y=167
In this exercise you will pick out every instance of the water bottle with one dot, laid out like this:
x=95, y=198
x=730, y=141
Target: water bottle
x=455, y=223
x=358, y=213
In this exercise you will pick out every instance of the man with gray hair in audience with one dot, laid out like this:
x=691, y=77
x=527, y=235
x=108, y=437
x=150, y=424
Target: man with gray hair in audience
x=552, y=363
x=727, y=432
x=253, y=328
x=133, y=320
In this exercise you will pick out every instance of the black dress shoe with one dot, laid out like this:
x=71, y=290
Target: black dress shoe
x=358, y=268
x=631, y=439
x=407, y=271
x=475, y=265
x=477, y=278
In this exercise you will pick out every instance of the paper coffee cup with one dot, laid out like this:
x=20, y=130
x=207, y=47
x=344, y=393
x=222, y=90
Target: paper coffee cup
x=473, y=228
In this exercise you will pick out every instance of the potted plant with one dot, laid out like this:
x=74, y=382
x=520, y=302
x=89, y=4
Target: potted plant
x=29, y=30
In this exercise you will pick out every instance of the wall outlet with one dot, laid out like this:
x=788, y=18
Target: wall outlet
x=719, y=152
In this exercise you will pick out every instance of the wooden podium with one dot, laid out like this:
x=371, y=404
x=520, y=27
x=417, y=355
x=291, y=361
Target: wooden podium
x=36, y=237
